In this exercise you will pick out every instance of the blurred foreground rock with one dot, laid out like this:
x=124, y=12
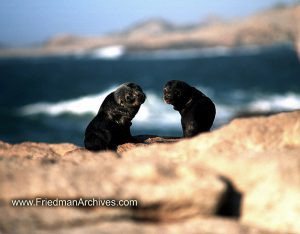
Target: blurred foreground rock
x=242, y=178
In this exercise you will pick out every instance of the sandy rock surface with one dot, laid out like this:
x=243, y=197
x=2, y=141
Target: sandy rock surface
x=242, y=178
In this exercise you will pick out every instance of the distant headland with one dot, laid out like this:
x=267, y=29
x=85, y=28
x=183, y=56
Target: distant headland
x=274, y=26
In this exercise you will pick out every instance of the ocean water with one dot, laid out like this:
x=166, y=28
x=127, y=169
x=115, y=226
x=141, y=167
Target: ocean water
x=52, y=99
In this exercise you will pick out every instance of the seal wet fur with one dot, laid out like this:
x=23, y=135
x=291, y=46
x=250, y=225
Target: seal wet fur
x=111, y=126
x=197, y=110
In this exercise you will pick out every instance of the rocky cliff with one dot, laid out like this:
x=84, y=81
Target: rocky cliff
x=242, y=178
x=265, y=28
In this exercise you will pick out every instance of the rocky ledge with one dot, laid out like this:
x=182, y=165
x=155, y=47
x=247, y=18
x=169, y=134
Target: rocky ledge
x=242, y=178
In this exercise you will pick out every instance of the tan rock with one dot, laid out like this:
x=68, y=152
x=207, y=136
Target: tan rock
x=191, y=226
x=248, y=168
x=164, y=191
x=260, y=156
x=81, y=155
x=34, y=150
x=128, y=146
x=145, y=140
x=62, y=149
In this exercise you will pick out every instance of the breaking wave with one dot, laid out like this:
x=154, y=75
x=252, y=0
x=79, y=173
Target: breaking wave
x=154, y=113
x=108, y=52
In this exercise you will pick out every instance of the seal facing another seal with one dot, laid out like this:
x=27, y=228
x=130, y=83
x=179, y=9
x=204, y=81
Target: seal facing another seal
x=111, y=126
x=197, y=110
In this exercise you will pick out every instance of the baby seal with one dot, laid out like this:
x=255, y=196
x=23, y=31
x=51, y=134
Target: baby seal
x=197, y=110
x=111, y=126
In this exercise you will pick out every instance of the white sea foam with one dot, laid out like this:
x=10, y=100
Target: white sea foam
x=153, y=109
x=289, y=101
x=109, y=52
x=81, y=105
x=154, y=113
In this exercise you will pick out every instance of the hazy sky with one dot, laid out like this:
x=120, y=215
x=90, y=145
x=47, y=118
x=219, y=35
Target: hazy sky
x=28, y=21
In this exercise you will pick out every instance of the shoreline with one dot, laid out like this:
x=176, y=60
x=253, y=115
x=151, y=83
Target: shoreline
x=266, y=28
